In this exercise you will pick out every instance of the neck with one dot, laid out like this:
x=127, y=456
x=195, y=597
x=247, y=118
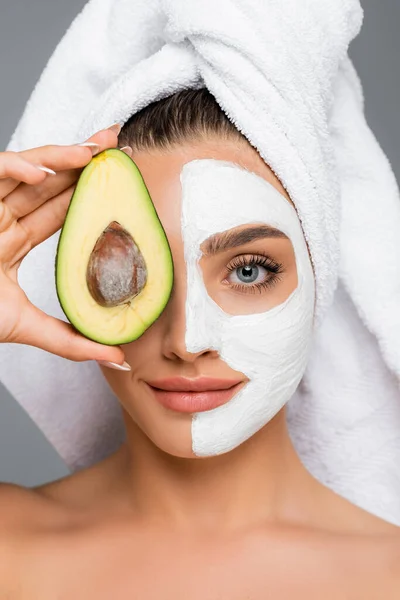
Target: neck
x=261, y=480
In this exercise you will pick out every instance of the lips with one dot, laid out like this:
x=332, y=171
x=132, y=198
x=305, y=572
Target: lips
x=193, y=395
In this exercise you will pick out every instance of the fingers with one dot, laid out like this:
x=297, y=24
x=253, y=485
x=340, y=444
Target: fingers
x=23, y=235
x=39, y=225
x=60, y=158
x=53, y=335
x=14, y=169
x=66, y=161
x=25, y=199
x=14, y=244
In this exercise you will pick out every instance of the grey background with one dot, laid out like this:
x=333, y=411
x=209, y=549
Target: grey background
x=29, y=32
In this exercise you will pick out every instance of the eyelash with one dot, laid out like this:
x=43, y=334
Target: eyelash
x=274, y=268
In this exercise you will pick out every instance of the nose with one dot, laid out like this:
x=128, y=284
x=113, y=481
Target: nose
x=174, y=344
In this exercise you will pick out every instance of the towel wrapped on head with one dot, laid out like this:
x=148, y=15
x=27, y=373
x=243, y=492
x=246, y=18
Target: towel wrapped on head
x=282, y=74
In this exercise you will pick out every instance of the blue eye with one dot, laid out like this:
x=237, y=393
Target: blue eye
x=248, y=273
x=253, y=273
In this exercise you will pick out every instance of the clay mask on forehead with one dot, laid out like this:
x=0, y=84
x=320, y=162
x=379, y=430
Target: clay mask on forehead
x=271, y=348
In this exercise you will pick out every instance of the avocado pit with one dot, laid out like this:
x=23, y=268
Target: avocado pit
x=116, y=270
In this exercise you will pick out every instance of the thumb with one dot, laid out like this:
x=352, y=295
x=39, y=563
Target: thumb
x=54, y=335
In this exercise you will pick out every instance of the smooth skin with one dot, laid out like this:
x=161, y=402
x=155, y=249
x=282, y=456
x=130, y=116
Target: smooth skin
x=152, y=521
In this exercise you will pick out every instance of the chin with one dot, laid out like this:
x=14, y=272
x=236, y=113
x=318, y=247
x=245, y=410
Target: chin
x=172, y=447
x=166, y=429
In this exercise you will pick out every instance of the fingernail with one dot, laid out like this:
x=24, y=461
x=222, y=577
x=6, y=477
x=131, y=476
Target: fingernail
x=45, y=169
x=116, y=128
x=112, y=365
x=95, y=148
x=128, y=150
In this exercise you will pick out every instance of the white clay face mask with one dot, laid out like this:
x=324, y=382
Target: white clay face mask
x=270, y=348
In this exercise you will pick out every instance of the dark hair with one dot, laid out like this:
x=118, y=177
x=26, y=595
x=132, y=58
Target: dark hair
x=187, y=115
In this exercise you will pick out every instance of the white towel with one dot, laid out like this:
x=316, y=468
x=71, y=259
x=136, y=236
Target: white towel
x=281, y=71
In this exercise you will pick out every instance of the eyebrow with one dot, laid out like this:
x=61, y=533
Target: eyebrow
x=226, y=240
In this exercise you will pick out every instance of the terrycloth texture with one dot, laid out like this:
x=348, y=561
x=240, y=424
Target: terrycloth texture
x=281, y=72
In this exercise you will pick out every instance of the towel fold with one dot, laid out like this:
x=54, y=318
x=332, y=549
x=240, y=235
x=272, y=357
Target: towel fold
x=281, y=72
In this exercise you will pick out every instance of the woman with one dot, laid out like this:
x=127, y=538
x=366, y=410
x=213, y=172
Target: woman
x=159, y=518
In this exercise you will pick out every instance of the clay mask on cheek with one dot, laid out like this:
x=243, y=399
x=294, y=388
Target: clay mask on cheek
x=270, y=348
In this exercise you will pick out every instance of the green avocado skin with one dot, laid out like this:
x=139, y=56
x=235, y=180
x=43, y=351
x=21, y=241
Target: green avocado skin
x=126, y=337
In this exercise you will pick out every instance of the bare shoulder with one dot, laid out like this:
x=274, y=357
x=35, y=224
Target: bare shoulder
x=16, y=505
x=340, y=515
x=28, y=517
x=364, y=522
x=23, y=512
x=56, y=503
x=363, y=543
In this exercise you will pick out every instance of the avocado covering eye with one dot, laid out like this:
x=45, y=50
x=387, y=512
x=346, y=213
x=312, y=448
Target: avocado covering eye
x=114, y=269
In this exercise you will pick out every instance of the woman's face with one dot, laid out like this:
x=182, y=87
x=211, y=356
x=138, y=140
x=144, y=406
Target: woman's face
x=241, y=307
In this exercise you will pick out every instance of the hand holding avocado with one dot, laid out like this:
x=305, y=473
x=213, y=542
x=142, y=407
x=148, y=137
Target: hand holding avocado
x=33, y=203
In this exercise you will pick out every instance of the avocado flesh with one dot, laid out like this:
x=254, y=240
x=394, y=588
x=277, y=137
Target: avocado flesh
x=110, y=190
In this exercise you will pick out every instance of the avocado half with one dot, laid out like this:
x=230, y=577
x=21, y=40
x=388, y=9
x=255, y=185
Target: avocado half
x=114, y=269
